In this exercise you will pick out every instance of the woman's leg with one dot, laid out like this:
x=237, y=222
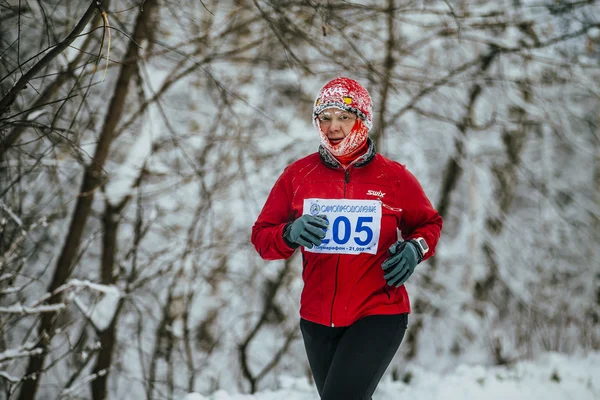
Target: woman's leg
x=362, y=355
x=320, y=342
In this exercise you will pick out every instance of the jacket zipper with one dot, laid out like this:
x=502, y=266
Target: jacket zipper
x=346, y=180
x=337, y=265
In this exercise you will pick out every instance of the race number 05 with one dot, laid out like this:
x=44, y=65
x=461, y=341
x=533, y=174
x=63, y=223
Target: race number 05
x=342, y=236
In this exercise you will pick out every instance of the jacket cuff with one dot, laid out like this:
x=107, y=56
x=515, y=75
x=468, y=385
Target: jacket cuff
x=286, y=231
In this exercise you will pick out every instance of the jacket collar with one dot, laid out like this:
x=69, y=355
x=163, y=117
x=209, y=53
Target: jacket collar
x=332, y=162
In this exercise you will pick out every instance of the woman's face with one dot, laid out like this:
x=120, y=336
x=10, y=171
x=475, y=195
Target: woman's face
x=336, y=124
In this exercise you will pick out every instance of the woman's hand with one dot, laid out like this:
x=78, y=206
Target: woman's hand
x=399, y=266
x=307, y=231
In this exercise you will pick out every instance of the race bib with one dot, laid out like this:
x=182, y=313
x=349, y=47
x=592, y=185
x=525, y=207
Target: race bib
x=354, y=225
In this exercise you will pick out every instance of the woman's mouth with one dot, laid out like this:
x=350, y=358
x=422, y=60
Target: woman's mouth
x=335, y=141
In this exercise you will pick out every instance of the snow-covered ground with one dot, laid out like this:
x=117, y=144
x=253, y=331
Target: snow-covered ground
x=551, y=377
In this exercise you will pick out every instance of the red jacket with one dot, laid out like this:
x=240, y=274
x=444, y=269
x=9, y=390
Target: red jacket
x=342, y=288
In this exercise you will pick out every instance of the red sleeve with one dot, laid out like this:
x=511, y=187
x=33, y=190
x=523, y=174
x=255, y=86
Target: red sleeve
x=267, y=232
x=419, y=218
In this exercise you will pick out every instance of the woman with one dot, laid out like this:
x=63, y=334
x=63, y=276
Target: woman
x=343, y=206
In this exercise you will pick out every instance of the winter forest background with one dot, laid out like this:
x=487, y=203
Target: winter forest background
x=128, y=186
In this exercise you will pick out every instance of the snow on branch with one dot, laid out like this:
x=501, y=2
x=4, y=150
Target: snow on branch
x=99, y=314
x=18, y=308
x=11, y=214
x=11, y=253
x=108, y=289
x=10, y=378
x=68, y=392
x=102, y=313
x=78, y=285
x=11, y=290
x=26, y=350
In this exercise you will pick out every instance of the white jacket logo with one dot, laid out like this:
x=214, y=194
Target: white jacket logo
x=374, y=193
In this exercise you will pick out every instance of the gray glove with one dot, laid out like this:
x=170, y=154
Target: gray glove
x=401, y=263
x=307, y=231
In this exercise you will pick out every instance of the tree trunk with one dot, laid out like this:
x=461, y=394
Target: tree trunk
x=92, y=180
x=389, y=63
x=107, y=337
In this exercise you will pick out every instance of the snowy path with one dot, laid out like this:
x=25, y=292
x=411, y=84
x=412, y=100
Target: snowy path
x=552, y=377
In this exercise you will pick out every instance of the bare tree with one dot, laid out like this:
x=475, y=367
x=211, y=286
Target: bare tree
x=139, y=190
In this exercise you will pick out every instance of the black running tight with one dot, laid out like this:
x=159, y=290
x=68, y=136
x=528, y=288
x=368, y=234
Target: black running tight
x=347, y=363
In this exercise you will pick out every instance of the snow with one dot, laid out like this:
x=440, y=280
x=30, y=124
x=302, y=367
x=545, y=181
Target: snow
x=253, y=118
x=101, y=314
x=32, y=116
x=11, y=214
x=18, y=308
x=553, y=376
x=10, y=378
x=123, y=179
x=77, y=283
x=87, y=380
x=25, y=350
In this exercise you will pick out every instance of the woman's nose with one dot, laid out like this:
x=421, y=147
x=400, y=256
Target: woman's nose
x=335, y=126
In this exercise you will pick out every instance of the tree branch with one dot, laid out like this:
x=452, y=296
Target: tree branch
x=11, y=95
